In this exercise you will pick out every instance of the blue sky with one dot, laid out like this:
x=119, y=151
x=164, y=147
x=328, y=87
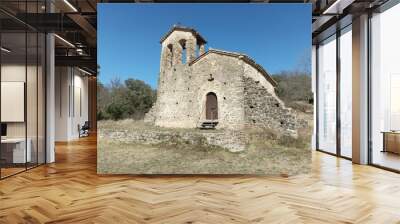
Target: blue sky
x=276, y=36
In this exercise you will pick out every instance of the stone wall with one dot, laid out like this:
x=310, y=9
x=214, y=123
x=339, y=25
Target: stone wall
x=181, y=96
x=234, y=141
x=221, y=75
x=264, y=109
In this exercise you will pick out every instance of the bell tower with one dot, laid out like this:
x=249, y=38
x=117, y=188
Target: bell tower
x=179, y=47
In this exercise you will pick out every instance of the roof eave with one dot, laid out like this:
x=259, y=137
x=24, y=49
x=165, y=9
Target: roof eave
x=193, y=31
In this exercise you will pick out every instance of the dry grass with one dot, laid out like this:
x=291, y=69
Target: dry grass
x=268, y=154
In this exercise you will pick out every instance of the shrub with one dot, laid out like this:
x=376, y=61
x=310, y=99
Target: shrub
x=115, y=110
x=123, y=100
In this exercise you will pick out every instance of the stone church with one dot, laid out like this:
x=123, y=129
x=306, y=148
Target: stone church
x=214, y=89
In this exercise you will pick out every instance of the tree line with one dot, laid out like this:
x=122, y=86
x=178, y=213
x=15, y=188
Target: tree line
x=131, y=98
x=294, y=89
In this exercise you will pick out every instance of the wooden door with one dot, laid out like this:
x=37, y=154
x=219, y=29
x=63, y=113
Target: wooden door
x=211, y=107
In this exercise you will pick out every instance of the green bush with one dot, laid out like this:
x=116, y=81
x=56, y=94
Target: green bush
x=116, y=111
x=130, y=99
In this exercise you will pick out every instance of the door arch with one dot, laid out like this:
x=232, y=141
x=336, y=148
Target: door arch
x=211, y=106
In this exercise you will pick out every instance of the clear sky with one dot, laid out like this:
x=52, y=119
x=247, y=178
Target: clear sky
x=276, y=36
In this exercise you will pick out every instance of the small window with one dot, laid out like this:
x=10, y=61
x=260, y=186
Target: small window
x=170, y=54
x=184, y=52
x=197, y=50
x=184, y=56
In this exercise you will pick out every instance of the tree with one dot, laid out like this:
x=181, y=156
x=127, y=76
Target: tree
x=139, y=98
x=103, y=99
x=293, y=86
x=129, y=99
x=304, y=62
x=116, y=110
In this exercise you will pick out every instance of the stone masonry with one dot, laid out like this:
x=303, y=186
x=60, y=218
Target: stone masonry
x=245, y=92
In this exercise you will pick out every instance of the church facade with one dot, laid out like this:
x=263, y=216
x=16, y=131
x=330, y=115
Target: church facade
x=214, y=88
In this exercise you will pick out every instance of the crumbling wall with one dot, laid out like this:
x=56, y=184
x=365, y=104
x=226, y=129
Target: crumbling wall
x=264, y=109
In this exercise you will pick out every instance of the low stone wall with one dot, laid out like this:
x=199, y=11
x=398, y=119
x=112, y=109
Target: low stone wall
x=234, y=141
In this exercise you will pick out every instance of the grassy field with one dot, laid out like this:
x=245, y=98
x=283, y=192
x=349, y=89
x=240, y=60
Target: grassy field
x=268, y=154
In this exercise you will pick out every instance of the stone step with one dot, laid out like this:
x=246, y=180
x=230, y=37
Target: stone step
x=208, y=124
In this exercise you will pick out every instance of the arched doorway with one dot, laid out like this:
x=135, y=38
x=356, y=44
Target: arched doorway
x=211, y=106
